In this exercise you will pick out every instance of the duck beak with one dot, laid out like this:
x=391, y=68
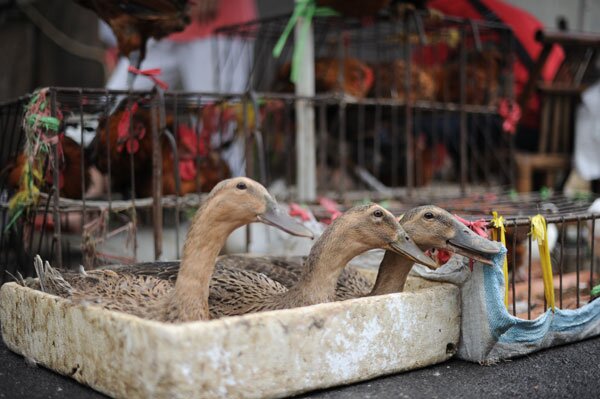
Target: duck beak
x=406, y=247
x=475, y=247
x=277, y=217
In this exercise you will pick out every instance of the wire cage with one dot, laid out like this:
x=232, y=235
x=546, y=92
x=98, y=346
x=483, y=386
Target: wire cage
x=118, y=168
x=415, y=102
x=572, y=234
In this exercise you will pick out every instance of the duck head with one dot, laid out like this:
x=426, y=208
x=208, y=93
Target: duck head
x=378, y=228
x=241, y=200
x=433, y=227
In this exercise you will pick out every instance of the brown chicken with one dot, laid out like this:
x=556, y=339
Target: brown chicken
x=114, y=143
x=423, y=85
x=125, y=142
x=357, y=79
x=135, y=21
x=482, y=79
x=211, y=170
x=69, y=170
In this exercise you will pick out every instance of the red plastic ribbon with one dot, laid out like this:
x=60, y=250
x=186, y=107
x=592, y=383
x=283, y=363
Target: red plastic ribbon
x=150, y=73
x=477, y=226
x=331, y=207
x=511, y=113
x=297, y=210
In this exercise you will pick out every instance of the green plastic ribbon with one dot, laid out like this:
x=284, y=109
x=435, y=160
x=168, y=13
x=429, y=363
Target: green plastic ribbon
x=595, y=291
x=47, y=122
x=307, y=9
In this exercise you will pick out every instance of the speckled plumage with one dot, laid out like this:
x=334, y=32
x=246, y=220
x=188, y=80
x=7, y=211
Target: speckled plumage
x=393, y=271
x=284, y=270
x=146, y=295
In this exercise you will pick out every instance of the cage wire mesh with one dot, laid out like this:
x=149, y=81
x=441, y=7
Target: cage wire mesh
x=102, y=186
x=411, y=118
x=572, y=236
x=415, y=102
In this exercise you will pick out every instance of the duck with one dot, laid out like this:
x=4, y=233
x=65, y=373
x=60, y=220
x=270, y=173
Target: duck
x=232, y=203
x=358, y=230
x=430, y=226
x=239, y=290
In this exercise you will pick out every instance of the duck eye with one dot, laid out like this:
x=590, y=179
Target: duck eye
x=241, y=186
x=428, y=215
x=378, y=213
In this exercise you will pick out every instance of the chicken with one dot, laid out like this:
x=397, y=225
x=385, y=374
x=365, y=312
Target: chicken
x=135, y=21
x=199, y=165
x=114, y=143
x=423, y=85
x=358, y=77
x=482, y=79
x=211, y=170
x=124, y=141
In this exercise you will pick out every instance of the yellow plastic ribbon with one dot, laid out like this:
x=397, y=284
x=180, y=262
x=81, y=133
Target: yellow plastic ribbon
x=498, y=223
x=540, y=234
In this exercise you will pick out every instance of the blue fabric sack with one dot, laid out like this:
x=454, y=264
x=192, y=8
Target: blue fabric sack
x=488, y=332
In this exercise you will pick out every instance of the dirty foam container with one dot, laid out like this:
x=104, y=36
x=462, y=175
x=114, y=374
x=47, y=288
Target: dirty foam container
x=268, y=354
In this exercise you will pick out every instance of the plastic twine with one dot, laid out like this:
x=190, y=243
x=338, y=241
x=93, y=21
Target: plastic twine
x=540, y=234
x=511, y=113
x=151, y=74
x=307, y=9
x=499, y=234
x=479, y=227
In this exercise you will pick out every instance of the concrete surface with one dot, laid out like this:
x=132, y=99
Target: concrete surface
x=570, y=371
x=267, y=354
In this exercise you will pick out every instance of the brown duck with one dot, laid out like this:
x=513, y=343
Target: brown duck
x=429, y=226
x=231, y=204
x=356, y=231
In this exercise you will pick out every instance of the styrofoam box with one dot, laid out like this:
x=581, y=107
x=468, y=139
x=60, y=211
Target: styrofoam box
x=268, y=354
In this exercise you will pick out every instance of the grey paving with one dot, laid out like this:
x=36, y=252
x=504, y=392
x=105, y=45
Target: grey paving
x=571, y=371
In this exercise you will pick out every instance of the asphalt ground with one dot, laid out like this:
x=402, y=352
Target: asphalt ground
x=570, y=371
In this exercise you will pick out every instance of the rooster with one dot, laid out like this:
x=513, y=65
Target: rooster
x=117, y=140
x=114, y=142
x=135, y=21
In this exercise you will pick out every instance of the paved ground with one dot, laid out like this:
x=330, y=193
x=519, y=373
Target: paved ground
x=571, y=371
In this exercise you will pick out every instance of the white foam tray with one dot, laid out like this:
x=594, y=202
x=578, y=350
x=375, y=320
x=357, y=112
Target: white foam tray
x=269, y=354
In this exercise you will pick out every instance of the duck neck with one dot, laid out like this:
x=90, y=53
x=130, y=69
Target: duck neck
x=392, y=274
x=205, y=238
x=327, y=258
